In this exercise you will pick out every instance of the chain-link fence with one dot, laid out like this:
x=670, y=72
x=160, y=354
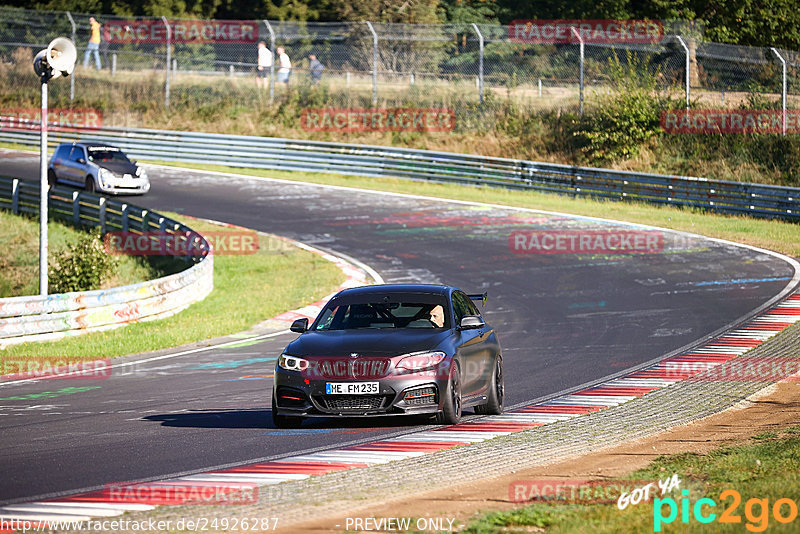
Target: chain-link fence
x=170, y=64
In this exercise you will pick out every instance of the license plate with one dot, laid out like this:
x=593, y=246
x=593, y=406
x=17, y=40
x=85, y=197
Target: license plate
x=352, y=388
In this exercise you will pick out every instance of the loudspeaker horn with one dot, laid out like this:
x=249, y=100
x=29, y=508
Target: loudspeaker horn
x=58, y=59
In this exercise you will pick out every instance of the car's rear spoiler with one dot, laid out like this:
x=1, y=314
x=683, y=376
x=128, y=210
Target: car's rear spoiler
x=480, y=296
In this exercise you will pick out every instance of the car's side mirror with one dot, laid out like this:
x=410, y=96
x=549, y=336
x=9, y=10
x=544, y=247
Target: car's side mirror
x=299, y=325
x=471, y=321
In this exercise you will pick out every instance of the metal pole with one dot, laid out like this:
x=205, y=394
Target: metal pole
x=688, y=68
x=169, y=54
x=43, y=194
x=783, y=89
x=74, y=40
x=374, y=64
x=580, y=40
x=272, y=65
x=480, y=60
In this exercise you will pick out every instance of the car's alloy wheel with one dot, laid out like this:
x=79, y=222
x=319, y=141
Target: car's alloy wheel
x=451, y=410
x=494, y=404
x=90, y=184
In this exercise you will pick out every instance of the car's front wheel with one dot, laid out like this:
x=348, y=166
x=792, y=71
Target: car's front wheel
x=494, y=404
x=451, y=409
x=51, y=178
x=90, y=184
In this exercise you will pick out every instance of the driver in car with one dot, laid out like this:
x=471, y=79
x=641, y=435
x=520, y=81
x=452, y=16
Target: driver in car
x=437, y=316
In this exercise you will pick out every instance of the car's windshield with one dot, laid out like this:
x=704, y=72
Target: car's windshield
x=419, y=311
x=107, y=155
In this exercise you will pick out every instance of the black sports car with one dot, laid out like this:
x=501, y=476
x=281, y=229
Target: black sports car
x=390, y=350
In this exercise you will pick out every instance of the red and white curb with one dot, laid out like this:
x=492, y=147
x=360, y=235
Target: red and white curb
x=715, y=352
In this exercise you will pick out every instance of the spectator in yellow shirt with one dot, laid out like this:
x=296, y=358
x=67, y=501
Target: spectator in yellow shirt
x=94, y=43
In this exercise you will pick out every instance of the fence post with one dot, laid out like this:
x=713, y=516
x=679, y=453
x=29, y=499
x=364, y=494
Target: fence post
x=374, y=64
x=272, y=65
x=113, y=64
x=124, y=217
x=688, y=69
x=74, y=40
x=15, y=196
x=102, y=207
x=580, y=86
x=783, y=88
x=76, y=207
x=169, y=54
x=480, y=61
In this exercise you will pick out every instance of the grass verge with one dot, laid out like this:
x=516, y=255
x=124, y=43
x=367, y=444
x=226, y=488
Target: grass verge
x=247, y=289
x=764, y=469
x=19, y=261
x=774, y=235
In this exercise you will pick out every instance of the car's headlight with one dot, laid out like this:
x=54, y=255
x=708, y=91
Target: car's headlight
x=106, y=177
x=420, y=361
x=141, y=173
x=292, y=363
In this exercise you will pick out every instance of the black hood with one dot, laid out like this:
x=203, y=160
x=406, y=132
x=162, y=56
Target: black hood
x=366, y=342
x=118, y=167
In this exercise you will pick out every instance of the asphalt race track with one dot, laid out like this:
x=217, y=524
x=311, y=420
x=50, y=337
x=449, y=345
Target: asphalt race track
x=563, y=320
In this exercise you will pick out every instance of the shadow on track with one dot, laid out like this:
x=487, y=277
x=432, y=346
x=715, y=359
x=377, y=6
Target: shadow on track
x=262, y=419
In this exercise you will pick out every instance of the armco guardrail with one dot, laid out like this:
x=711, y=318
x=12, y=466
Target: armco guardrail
x=39, y=318
x=376, y=161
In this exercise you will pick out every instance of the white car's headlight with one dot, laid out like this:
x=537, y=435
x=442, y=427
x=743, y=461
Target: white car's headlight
x=292, y=363
x=106, y=177
x=420, y=361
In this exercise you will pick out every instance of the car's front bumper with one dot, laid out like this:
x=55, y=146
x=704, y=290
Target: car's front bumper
x=125, y=186
x=297, y=396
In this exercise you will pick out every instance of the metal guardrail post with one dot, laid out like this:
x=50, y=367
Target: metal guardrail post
x=162, y=224
x=124, y=217
x=272, y=64
x=15, y=197
x=144, y=220
x=76, y=207
x=374, y=64
x=102, y=216
x=74, y=40
x=580, y=40
x=783, y=89
x=480, y=60
x=169, y=54
x=688, y=70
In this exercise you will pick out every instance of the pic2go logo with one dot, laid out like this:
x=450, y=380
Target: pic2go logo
x=756, y=511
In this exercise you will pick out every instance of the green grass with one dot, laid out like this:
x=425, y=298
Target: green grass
x=779, y=236
x=19, y=260
x=766, y=467
x=248, y=289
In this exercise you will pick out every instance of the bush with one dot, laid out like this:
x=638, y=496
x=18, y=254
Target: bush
x=618, y=127
x=82, y=266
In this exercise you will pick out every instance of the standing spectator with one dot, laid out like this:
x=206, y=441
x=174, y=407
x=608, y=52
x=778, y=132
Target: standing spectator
x=316, y=68
x=104, y=43
x=285, y=66
x=94, y=43
x=264, y=64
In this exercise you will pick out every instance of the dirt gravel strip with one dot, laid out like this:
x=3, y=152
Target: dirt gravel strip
x=296, y=503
